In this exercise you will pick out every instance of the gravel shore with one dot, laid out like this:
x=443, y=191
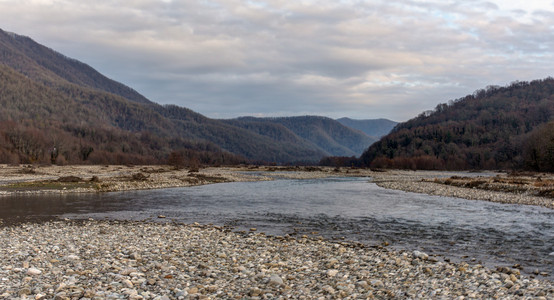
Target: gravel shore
x=46, y=179
x=424, y=182
x=127, y=260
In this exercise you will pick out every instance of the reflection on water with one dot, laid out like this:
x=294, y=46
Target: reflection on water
x=496, y=234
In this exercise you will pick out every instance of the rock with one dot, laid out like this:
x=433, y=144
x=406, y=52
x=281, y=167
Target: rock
x=377, y=283
x=40, y=296
x=255, y=292
x=508, y=284
x=33, y=271
x=332, y=262
x=275, y=280
x=24, y=291
x=72, y=257
x=128, y=283
x=61, y=296
x=332, y=272
x=363, y=284
x=329, y=289
x=420, y=255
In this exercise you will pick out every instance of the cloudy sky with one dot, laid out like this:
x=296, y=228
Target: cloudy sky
x=360, y=59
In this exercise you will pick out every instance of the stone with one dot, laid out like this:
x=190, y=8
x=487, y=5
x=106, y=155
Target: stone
x=128, y=283
x=377, y=283
x=255, y=292
x=332, y=272
x=329, y=289
x=508, y=284
x=24, y=292
x=33, y=271
x=420, y=255
x=275, y=280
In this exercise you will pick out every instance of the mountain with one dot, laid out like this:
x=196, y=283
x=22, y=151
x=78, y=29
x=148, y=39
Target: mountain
x=47, y=66
x=494, y=128
x=323, y=134
x=57, y=109
x=373, y=127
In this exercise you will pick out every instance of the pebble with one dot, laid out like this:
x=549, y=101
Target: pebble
x=420, y=255
x=275, y=280
x=33, y=271
x=203, y=262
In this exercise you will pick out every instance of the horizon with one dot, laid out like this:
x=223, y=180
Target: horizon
x=271, y=59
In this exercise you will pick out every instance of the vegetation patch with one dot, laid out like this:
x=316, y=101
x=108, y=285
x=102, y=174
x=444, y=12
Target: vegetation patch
x=531, y=184
x=47, y=185
x=212, y=179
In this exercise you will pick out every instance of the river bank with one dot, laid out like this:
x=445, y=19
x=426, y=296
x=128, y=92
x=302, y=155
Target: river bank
x=495, y=187
x=137, y=260
x=528, y=189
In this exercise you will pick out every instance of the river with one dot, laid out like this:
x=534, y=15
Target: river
x=335, y=208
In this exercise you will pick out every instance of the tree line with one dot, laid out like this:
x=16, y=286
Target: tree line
x=494, y=128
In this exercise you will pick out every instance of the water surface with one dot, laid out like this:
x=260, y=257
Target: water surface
x=336, y=208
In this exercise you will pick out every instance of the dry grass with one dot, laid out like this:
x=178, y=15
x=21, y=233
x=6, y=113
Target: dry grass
x=522, y=183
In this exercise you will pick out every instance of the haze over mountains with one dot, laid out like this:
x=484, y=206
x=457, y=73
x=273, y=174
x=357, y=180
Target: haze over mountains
x=374, y=128
x=57, y=109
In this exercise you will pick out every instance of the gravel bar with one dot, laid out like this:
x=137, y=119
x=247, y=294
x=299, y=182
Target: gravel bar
x=421, y=182
x=141, y=260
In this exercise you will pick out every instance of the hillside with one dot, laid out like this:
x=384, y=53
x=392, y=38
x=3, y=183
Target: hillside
x=326, y=135
x=494, y=128
x=47, y=66
x=374, y=128
x=57, y=109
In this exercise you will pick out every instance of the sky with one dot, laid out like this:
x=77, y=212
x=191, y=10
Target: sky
x=360, y=59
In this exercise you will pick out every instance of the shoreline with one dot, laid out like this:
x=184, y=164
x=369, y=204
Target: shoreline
x=143, y=260
x=495, y=187
x=150, y=260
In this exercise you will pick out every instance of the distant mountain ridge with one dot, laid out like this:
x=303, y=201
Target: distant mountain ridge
x=57, y=109
x=373, y=127
x=325, y=134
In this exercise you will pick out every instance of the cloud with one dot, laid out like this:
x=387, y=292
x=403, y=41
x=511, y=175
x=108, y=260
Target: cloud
x=362, y=59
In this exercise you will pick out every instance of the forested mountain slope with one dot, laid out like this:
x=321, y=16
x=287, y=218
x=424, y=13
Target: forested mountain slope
x=494, y=128
x=56, y=109
x=47, y=66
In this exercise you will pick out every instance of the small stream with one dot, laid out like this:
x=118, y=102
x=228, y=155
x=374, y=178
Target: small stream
x=336, y=208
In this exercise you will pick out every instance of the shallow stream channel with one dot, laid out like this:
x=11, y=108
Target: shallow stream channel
x=351, y=209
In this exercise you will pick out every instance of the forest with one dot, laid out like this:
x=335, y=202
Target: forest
x=508, y=128
x=55, y=109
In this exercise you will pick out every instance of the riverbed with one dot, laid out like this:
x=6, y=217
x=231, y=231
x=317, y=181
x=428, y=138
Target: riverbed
x=340, y=208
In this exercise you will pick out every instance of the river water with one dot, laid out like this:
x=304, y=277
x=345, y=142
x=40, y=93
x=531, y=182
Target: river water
x=336, y=208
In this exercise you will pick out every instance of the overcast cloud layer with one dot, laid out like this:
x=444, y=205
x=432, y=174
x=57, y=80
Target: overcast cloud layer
x=361, y=59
